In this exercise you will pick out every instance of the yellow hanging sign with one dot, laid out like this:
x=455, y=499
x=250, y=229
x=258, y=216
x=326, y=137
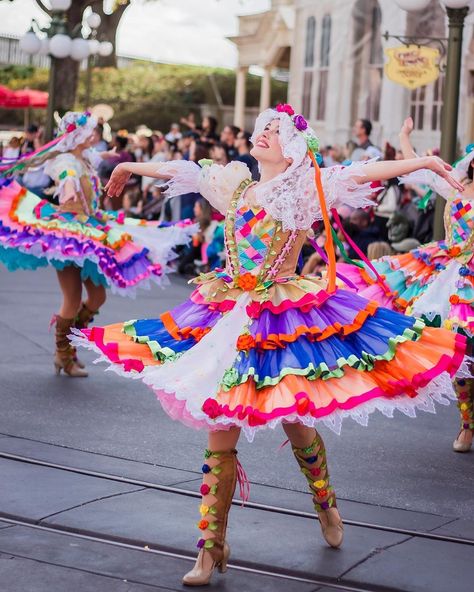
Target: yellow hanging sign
x=412, y=65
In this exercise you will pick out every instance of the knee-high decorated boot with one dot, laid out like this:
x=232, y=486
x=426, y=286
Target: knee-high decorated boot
x=64, y=355
x=217, y=489
x=82, y=320
x=313, y=463
x=464, y=388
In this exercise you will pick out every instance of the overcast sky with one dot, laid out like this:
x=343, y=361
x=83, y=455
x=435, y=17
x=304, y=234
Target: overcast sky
x=178, y=31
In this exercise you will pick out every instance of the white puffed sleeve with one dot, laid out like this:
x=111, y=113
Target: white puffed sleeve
x=215, y=182
x=431, y=180
x=342, y=189
x=62, y=169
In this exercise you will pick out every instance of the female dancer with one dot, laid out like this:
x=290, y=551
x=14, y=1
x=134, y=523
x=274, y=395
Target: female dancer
x=86, y=246
x=435, y=281
x=256, y=346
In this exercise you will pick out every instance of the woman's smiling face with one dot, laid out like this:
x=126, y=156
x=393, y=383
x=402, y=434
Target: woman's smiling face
x=267, y=148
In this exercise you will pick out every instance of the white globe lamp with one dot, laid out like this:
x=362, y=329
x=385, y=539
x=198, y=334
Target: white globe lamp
x=30, y=43
x=60, y=46
x=106, y=49
x=94, y=46
x=93, y=20
x=412, y=5
x=60, y=5
x=79, y=49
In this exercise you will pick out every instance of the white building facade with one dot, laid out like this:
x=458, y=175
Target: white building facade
x=337, y=70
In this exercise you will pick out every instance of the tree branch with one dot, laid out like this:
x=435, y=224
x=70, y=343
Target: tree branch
x=98, y=6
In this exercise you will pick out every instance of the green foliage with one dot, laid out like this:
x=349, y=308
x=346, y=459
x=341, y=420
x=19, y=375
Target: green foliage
x=11, y=73
x=157, y=94
x=146, y=93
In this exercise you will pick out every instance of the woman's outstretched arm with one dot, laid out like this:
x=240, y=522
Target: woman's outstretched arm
x=123, y=171
x=381, y=171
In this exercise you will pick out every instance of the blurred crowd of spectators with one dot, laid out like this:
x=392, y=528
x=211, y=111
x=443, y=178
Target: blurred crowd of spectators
x=394, y=224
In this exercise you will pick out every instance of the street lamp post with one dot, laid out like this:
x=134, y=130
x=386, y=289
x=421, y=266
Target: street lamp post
x=457, y=10
x=59, y=45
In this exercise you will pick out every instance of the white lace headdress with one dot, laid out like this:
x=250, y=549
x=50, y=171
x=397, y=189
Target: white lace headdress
x=291, y=196
x=461, y=167
x=76, y=128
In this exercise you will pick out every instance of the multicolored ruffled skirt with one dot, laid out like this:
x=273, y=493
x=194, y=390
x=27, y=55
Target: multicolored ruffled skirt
x=119, y=253
x=295, y=353
x=434, y=282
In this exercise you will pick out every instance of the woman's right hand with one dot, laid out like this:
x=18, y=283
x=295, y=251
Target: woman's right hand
x=407, y=126
x=441, y=168
x=117, y=180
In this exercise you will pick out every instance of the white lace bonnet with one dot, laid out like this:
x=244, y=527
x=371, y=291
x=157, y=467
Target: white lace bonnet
x=290, y=196
x=461, y=167
x=76, y=128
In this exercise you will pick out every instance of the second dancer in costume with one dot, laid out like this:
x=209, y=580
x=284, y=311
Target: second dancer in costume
x=87, y=246
x=257, y=346
x=434, y=281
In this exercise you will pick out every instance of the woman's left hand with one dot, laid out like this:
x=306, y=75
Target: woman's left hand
x=407, y=126
x=441, y=168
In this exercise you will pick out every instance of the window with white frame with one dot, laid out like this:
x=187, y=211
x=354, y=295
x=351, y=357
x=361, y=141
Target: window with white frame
x=417, y=107
x=426, y=102
x=308, y=70
x=324, y=68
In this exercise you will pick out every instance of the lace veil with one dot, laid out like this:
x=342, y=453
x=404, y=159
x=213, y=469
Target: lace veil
x=84, y=126
x=291, y=196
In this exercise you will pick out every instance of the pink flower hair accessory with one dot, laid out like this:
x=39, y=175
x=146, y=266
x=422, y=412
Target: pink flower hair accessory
x=301, y=125
x=285, y=108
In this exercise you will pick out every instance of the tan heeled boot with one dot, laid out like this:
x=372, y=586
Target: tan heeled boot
x=64, y=355
x=313, y=464
x=217, y=489
x=464, y=388
x=82, y=320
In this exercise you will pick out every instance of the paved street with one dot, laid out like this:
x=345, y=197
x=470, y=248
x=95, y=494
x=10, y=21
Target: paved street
x=97, y=483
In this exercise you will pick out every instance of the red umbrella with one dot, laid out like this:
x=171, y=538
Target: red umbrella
x=23, y=99
x=5, y=93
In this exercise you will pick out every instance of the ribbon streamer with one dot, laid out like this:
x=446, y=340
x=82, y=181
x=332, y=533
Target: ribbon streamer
x=244, y=483
x=363, y=258
x=323, y=256
x=329, y=245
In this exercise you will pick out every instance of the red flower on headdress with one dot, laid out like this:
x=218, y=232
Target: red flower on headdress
x=71, y=127
x=285, y=108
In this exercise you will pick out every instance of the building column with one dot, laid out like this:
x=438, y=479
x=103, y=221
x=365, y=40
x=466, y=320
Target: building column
x=240, y=94
x=265, y=89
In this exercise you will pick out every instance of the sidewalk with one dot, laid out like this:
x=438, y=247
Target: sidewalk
x=143, y=516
